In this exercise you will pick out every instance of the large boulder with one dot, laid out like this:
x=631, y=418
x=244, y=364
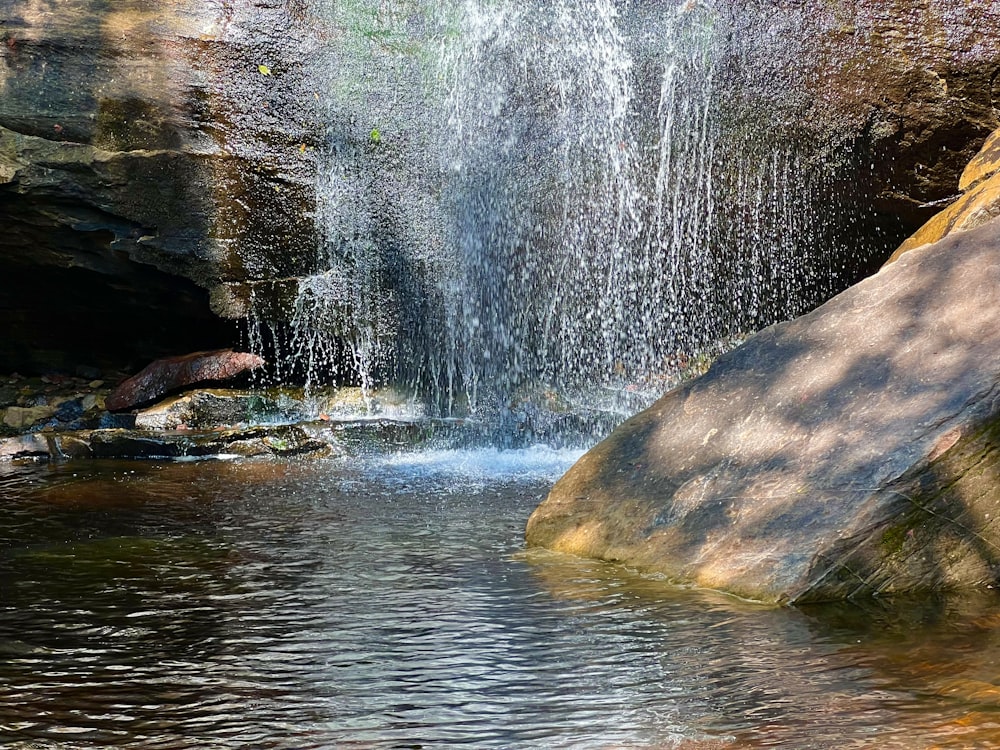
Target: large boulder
x=173, y=373
x=984, y=165
x=849, y=452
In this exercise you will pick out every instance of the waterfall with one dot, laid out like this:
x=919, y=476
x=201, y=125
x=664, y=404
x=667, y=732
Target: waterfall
x=539, y=195
x=574, y=200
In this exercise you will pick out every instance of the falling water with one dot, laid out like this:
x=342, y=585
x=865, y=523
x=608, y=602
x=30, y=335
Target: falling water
x=574, y=200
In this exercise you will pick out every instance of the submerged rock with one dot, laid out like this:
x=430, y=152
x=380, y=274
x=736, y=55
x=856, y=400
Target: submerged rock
x=172, y=373
x=849, y=452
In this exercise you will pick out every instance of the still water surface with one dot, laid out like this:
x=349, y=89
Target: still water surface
x=388, y=602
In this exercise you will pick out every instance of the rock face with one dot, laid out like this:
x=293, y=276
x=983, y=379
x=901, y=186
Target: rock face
x=918, y=81
x=909, y=90
x=979, y=204
x=158, y=164
x=852, y=451
x=140, y=147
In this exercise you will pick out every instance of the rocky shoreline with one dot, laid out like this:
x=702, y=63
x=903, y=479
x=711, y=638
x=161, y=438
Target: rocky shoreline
x=62, y=417
x=63, y=402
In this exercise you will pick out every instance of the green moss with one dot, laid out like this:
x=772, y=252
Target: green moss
x=893, y=539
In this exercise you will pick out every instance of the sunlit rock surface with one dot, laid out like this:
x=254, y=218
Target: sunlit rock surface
x=142, y=147
x=979, y=204
x=174, y=373
x=849, y=452
x=985, y=164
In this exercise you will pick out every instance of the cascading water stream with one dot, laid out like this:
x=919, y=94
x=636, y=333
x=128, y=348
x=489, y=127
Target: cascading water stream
x=560, y=202
x=539, y=195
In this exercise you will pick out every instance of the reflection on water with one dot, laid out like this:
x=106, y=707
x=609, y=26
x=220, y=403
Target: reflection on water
x=388, y=603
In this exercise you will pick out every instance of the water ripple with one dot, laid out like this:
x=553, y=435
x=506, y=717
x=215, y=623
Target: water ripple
x=330, y=604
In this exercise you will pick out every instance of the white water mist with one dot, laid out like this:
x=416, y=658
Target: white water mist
x=571, y=201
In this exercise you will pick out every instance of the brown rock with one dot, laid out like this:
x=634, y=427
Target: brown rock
x=849, y=452
x=918, y=82
x=32, y=445
x=126, y=443
x=172, y=373
x=135, y=155
x=977, y=207
x=214, y=408
x=21, y=417
x=140, y=147
x=984, y=164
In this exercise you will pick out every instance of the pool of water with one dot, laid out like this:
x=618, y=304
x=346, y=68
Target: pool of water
x=388, y=602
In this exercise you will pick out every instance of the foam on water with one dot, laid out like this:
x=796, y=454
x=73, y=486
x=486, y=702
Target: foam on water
x=474, y=465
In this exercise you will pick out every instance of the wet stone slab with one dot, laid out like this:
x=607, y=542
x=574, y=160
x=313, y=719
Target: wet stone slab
x=251, y=441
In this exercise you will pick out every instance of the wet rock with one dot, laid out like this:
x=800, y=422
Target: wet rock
x=140, y=148
x=975, y=208
x=211, y=408
x=979, y=205
x=172, y=373
x=284, y=440
x=361, y=436
x=109, y=421
x=208, y=408
x=356, y=403
x=849, y=452
x=51, y=401
x=31, y=446
x=89, y=373
x=58, y=419
x=70, y=410
x=917, y=82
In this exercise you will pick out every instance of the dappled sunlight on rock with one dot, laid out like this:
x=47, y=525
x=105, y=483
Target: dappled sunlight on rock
x=830, y=456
